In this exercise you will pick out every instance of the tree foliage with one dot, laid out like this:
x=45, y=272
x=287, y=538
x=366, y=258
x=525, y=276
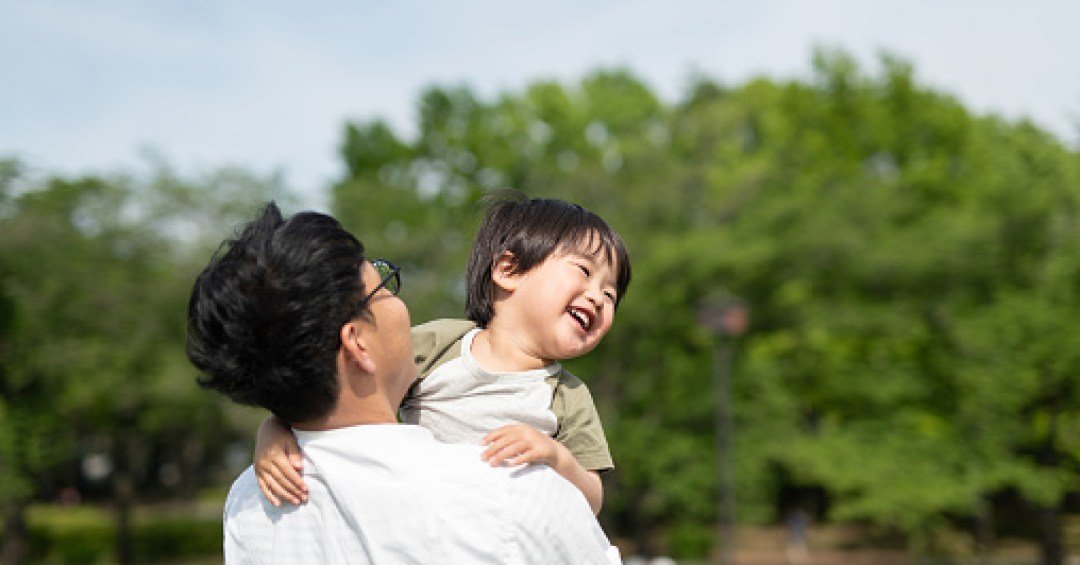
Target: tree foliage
x=94, y=277
x=911, y=270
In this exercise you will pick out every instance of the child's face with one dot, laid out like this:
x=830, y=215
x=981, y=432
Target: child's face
x=567, y=302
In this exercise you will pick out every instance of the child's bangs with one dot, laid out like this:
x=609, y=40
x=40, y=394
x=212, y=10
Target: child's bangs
x=590, y=241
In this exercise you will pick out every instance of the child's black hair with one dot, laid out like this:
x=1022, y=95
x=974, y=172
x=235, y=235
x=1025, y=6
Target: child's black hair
x=531, y=229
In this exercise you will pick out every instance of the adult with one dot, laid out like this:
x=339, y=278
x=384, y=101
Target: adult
x=292, y=317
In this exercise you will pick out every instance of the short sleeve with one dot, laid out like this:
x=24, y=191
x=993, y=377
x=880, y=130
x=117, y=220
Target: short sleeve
x=433, y=342
x=580, y=429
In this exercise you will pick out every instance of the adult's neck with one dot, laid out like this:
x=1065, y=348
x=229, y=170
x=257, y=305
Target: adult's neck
x=362, y=399
x=335, y=422
x=355, y=406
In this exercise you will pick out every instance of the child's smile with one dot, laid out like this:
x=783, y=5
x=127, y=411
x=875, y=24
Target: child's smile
x=559, y=308
x=582, y=317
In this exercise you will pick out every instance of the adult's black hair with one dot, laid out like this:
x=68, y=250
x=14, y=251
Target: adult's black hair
x=532, y=229
x=265, y=315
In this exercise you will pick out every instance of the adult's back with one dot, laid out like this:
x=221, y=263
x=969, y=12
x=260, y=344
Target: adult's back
x=392, y=494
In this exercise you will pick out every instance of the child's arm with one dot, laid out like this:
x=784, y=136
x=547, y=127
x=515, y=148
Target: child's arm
x=278, y=463
x=517, y=444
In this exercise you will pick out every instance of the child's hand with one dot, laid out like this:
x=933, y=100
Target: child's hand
x=517, y=444
x=278, y=464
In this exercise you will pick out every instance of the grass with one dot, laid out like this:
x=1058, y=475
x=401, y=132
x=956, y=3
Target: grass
x=182, y=533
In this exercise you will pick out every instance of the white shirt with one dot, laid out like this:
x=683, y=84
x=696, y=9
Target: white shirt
x=391, y=494
x=461, y=402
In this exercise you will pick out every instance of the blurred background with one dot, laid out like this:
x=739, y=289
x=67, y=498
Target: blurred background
x=855, y=232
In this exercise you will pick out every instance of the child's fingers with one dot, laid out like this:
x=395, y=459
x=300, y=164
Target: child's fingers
x=507, y=431
x=297, y=461
x=499, y=438
x=494, y=436
x=499, y=452
x=289, y=475
x=492, y=451
x=268, y=493
x=525, y=457
x=285, y=495
x=285, y=482
x=283, y=492
x=291, y=483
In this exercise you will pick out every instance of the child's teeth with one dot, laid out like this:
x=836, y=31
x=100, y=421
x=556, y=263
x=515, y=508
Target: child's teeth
x=580, y=318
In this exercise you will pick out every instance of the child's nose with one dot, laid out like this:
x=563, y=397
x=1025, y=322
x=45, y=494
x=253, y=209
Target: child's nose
x=596, y=296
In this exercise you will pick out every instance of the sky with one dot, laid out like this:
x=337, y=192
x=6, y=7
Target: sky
x=94, y=86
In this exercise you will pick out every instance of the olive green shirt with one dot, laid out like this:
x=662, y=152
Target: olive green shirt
x=577, y=424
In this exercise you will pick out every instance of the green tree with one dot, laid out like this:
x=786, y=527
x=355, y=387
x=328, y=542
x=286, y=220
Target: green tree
x=881, y=235
x=95, y=276
x=868, y=221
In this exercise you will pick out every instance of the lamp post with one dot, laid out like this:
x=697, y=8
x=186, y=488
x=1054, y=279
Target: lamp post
x=726, y=319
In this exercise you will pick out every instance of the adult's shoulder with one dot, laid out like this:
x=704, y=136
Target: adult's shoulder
x=244, y=492
x=243, y=485
x=552, y=520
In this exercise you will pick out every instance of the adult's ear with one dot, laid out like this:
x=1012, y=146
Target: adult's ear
x=504, y=272
x=356, y=347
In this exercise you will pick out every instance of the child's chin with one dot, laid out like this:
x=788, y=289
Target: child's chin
x=577, y=350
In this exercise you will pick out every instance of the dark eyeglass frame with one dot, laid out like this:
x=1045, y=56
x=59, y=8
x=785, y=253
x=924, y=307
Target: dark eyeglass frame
x=391, y=279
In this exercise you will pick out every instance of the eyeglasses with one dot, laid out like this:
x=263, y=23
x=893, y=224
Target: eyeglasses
x=390, y=275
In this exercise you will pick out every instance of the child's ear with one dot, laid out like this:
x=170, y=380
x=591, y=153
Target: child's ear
x=504, y=271
x=355, y=347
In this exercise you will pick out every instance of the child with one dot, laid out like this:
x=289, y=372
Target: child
x=543, y=280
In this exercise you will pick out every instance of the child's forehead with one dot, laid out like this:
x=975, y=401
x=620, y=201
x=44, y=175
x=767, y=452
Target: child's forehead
x=590, y=247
